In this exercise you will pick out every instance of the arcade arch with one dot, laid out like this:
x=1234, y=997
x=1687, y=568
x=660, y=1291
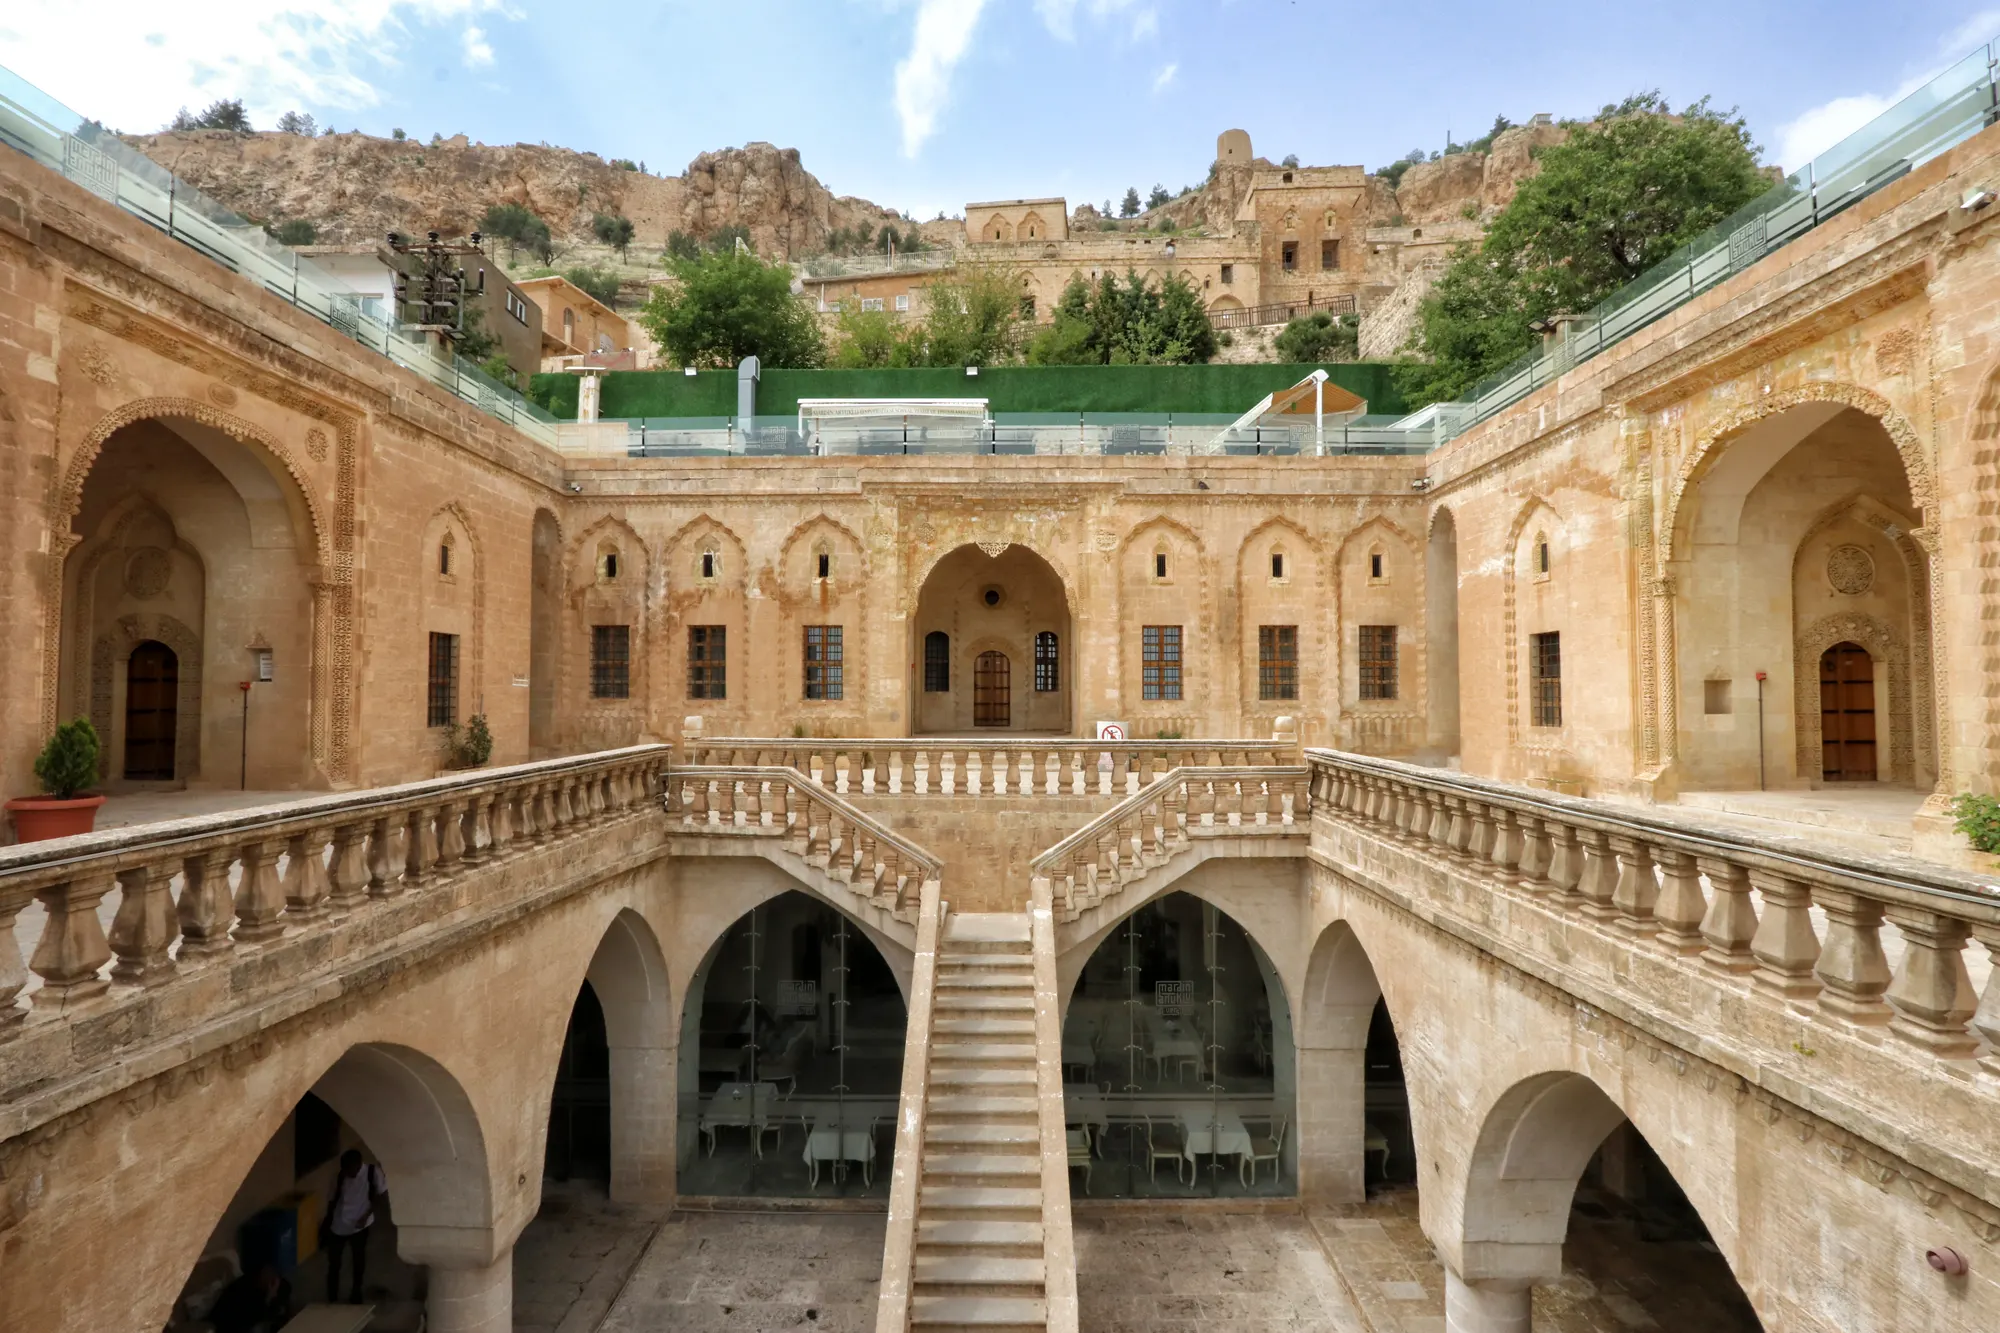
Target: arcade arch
x=991, y=646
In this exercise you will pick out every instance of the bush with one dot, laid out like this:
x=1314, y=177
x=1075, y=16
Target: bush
x=468, y=746
x=296, y=232
x=601, y=283
x=1977, y=817
x=614, y=230
x=68, y=763
x=1319, y=337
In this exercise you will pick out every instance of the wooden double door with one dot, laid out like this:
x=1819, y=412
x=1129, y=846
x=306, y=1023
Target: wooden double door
x=992, y=690
x=1847, y=714
x=152, y=711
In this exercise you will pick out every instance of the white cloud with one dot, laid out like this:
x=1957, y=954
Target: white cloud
x=1819, y=128
x=1165, y=76
x=142, y=60
x=1059, y=16
x=923, y=77
x=478, y=51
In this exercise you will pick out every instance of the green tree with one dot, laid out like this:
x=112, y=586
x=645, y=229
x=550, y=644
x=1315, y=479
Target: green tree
x=725, y=238
x=1129, y=322
x=398, y=135
x=297, y=231
x=1618, y=197
x=726, y=306
x=1128, y=207
x=224, y=113
x=601, y=283
x=522, y=230
x=295, y=122
x=680, y=245
x=614, y=230
x=972, y=318
x=1319, y=337
x=871, y=340
x=1158, y=197
x=1291, y=160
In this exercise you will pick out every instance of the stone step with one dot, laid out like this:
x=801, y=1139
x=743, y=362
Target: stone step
x=966, y=1270
x=968, y=1104
x=1025, y=1138
x=968, y=1197
x=962, y=1002
x=987, y=1167
x=957, y=1235
x=985, y=932
x=982, y=1026
x=987, y=962
x=989, y=1312
x=1005, y=981
x=983, y=1052
x=978, y=1077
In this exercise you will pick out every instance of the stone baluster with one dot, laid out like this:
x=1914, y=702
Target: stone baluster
x=1931, y=996
x=839, y=844
x=1852, y=969
x=596, y=805
x=999, y=768
x=752, y=803
x=1200, y=802
x=144, y=930
x=1173, y=813
x=477, y=819
x=1479, y=836
x=1681, y=908
x=72, y=949
x=1397, y=808
x=1730, y=923
x=500, y=829
x=1784, y=944
x=545, y=809
x=1598, y=884
x=419, y=847
x=920, y=776
x=1027, y=773
x=1637, y=887
x=1506, y=853
x=260, y=898
x=207, y=909
x=348, y=880
x=1459, y=835
x=566, y=812
x=13, y=974
x=780, y=804
x=1413, y=817
x=305, y=873
x=1082, y=865
x=383, y=878
x=450, y=841
x=1986, y=1020
x=817, y=834
x=878, y=772
x=1439, y=831
x=1536, y=854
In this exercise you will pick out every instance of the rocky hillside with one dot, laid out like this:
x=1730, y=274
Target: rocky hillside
x=355, y=187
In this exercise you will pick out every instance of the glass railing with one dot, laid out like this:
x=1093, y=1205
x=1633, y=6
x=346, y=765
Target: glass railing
x=85, y=152
x=1945, y=112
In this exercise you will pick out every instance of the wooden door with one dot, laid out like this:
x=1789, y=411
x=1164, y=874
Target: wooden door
x=152, y=690
x=1847, y=714
x=991, y=693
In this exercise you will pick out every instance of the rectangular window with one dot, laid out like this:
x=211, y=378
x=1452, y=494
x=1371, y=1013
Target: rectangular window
x=871, y=303
x=1290, y=255
x=707, y=667
x=937, y=662
x=441, y=703
x=1545, y=680
x=903, y=301
x=823, y=662
x=1160, y=662
x=1329, y=254
x=1715, y=698
x=1378, y=661
x=1228, y=274
x=1277, y=661
x=610, y=661
x=1048, y=663
x=517, y=307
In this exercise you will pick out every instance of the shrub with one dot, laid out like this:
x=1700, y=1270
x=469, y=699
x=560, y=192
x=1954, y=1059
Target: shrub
x=297, y=231
x=468, y=746
x=1977, y=817
x=1319, y=337
x=68, y=763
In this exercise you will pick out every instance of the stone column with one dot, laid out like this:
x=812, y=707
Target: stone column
x=645, y=1083
x=472, y=1300
x=1332, y=1106
x=1487, y=1305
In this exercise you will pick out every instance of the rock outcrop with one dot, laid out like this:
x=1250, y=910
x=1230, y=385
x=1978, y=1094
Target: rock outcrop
x=355, y=187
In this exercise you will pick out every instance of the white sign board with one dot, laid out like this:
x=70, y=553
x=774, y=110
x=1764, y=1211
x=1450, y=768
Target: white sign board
x=1112, y=731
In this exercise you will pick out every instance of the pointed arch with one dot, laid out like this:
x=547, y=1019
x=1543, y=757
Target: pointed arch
x=692, y=538
x=1535, y=509
x=454, y=513
x=1376, y=526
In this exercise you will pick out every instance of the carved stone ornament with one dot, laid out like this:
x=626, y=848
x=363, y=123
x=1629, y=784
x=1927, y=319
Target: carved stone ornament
x=994, y=550
x=1107, y=541
x=222, y=395
x=1895, y=349
x=1850, y=570
x=316, y=444
x=146, y=573
x=97, y=365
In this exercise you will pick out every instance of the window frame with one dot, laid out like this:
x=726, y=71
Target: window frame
x=1048, y=662
x=1160, y=656
x=708, y=662
x=1329, y=254
x=611, y=661
x=1545, y=679
x=441, y=681
x=1277, y=662
x=937, y=662
x=1376, y=663
x=823, y=660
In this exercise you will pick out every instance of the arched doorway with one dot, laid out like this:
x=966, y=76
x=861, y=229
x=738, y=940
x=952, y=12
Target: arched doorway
x=1178, y=1073
x=579, y=1142
x=791, y=1059
x=152, y=689
x=1847, y=713
x=984, y=611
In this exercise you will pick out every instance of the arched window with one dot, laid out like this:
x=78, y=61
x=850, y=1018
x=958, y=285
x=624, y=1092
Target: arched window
x=822, y=561
x=1378, y=569
x=1048, y=663
x=607, y=562
x=1160, y=564
x=711, y=564
x=444, y=556
x=1541, y=554
x=1277, y=564
x=569, y=327
x=937, y=662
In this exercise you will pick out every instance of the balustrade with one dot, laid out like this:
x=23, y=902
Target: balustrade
x=1743, y=911
x=190, y=895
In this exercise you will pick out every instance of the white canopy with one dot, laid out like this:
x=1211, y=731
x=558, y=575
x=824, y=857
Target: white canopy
x=817, y=411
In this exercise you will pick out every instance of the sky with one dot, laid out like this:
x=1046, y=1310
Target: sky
x=925, y=105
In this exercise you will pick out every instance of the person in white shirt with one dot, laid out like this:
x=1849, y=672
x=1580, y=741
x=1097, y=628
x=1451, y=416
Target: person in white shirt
x=350, y=1211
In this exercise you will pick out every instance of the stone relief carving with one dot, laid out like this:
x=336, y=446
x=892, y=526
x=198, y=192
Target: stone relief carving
x=146, y=573
x=316, y=445
x=1895, y=349
x=1850, y=570
x=97, y=365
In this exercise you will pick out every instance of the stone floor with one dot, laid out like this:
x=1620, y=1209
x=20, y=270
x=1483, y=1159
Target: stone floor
x=572, y=1262
x=750, y=1273
x=1143, y=1269
x=1861, y=816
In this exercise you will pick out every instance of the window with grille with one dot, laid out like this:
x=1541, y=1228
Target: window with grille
x=871, y=303
x=1277, y=661
x=1160, y=662
x=1329, y=254
x=937, y=662
x=610, y=661
x=1228, y=273
x=1378, y=661
x=441, y=702
x=823, y=662
x=1048, y=663
x=1289, y=255
x=707, y=678
x=1545, y=683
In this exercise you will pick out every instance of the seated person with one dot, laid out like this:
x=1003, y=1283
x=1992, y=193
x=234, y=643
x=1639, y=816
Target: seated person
x=258, y=1302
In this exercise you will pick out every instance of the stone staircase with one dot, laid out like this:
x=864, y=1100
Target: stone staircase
x=980, y=1260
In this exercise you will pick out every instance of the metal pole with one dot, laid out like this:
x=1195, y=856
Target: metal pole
x=243, y=756
x=1319, y=424
x=1760, y=731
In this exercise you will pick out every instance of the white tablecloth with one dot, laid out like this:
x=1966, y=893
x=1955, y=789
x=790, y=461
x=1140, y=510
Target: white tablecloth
x=740, y=1104
x=1171, y=1050
x=1219, y=1132
x=830, y=1143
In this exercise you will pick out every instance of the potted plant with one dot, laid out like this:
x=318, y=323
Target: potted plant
x=66, y=766
x=469, y=746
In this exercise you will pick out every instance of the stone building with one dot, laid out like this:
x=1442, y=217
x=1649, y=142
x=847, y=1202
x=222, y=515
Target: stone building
x=1521, y=848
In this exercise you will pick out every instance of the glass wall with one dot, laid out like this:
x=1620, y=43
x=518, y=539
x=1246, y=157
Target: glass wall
x=1177, y=1062
x=791, y=1059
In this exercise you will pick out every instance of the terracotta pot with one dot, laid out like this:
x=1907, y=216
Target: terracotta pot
x=39, y=817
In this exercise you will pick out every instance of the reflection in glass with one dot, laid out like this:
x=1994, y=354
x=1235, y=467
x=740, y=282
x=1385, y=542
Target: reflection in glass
x=791, y=1059
x=1177, y=1061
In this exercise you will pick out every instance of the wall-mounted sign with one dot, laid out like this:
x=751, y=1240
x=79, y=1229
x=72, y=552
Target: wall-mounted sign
x=798, y=999
x=1111, y=731
x=1171, y=997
